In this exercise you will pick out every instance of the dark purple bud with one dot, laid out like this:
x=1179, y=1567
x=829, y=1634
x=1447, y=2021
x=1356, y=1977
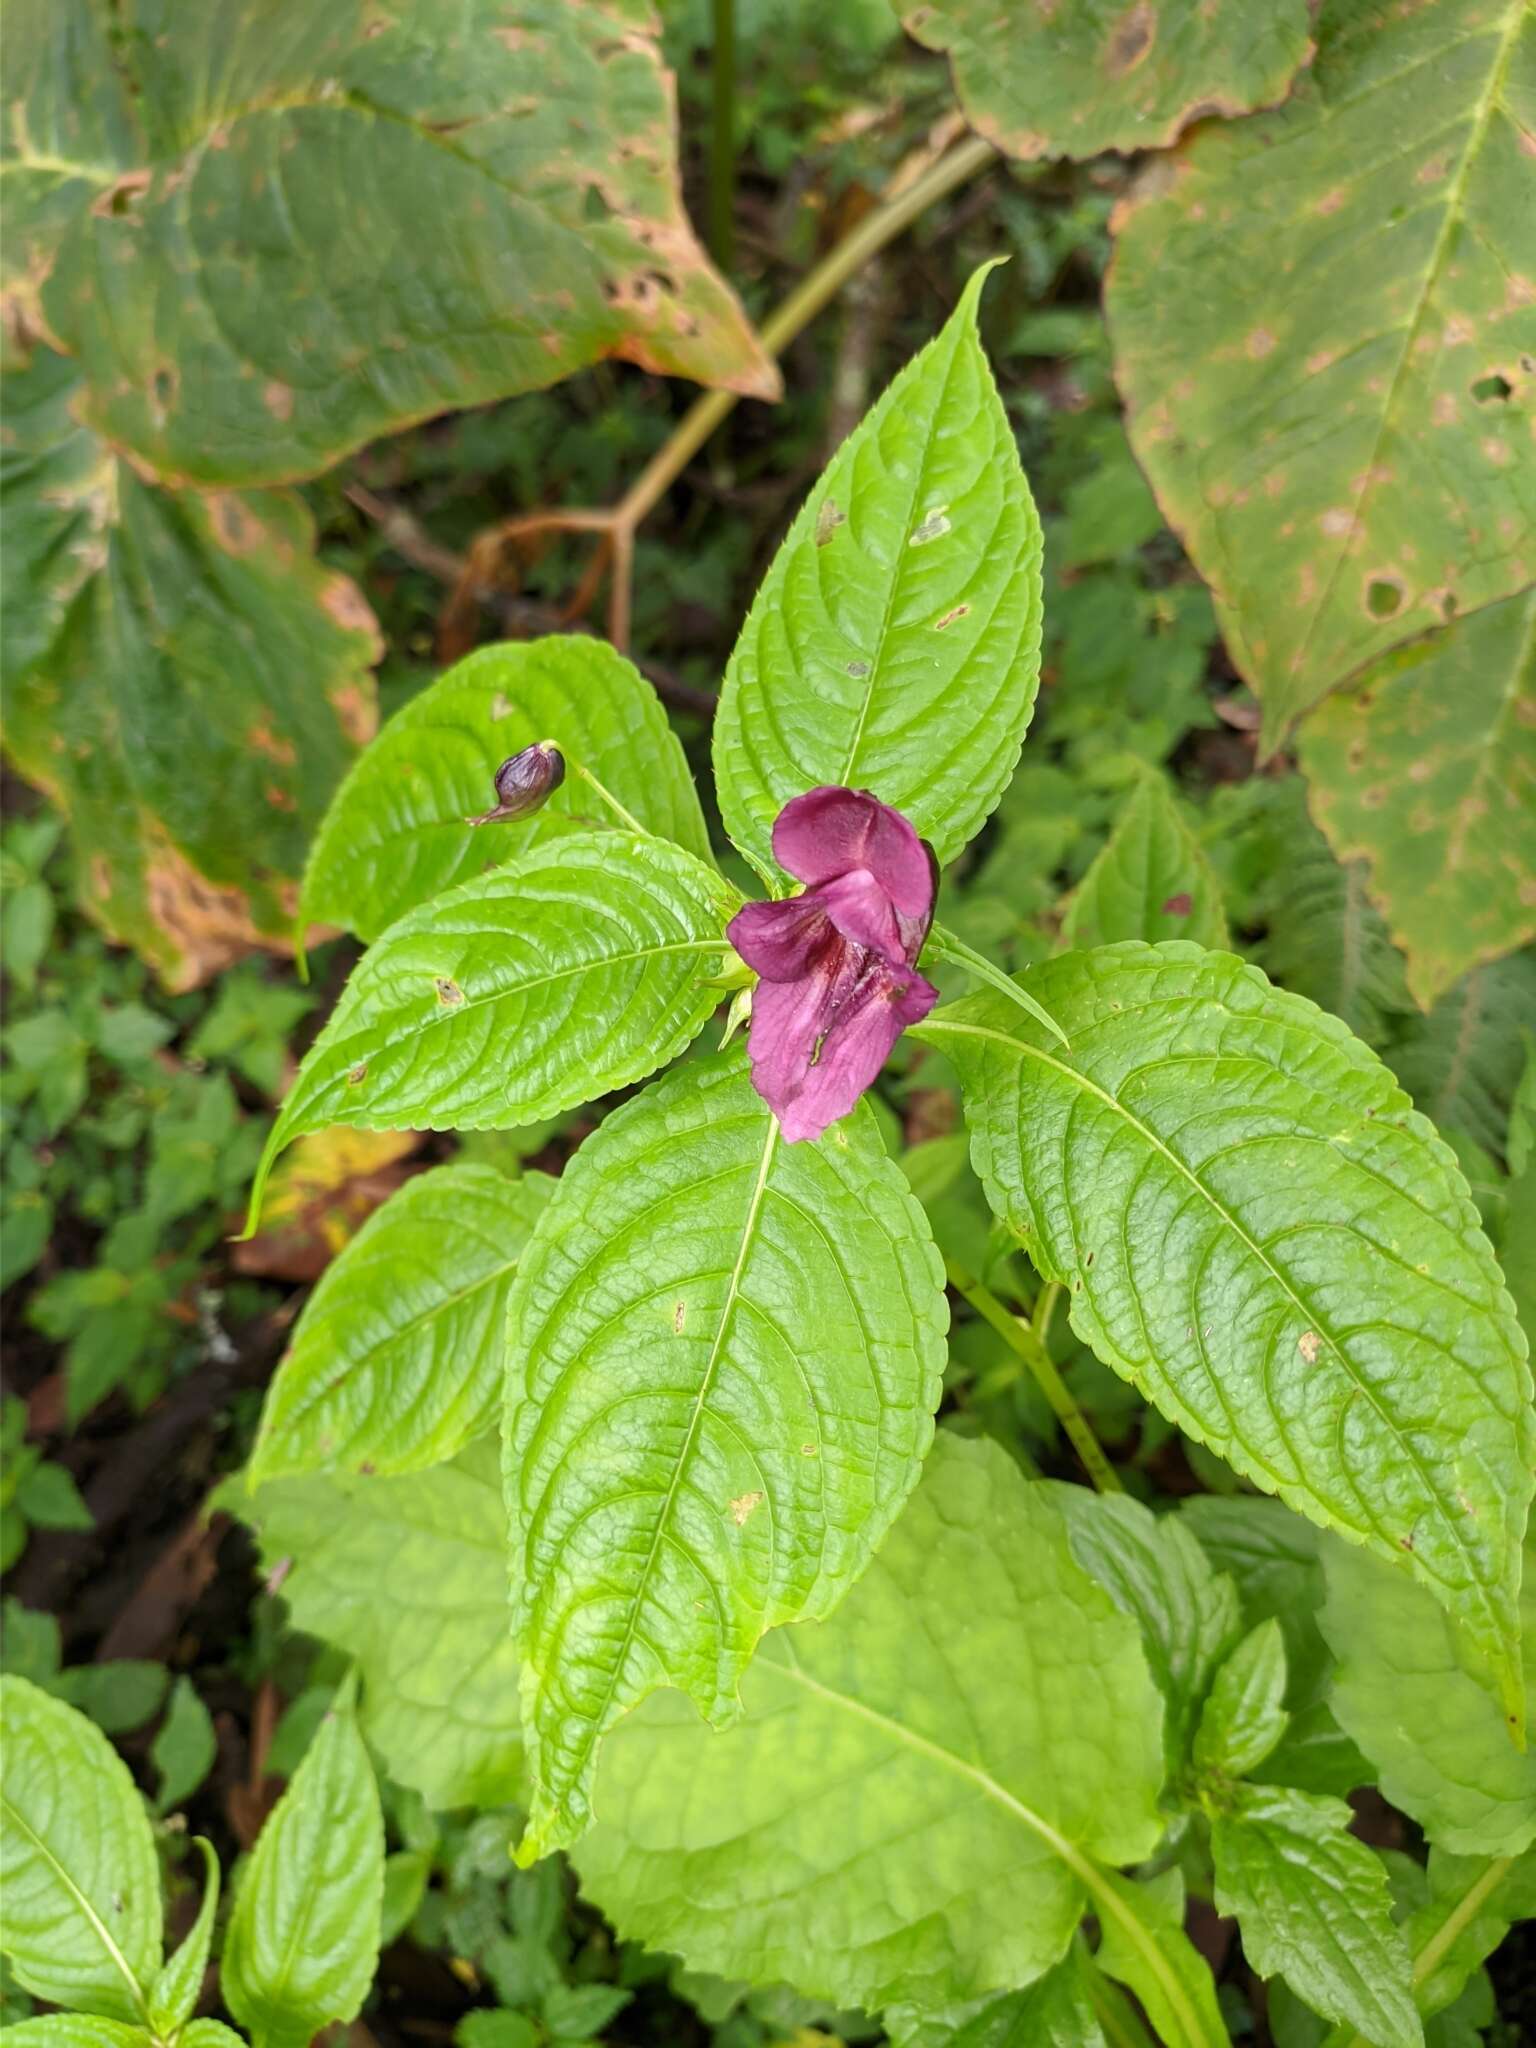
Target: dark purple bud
x=525, y=782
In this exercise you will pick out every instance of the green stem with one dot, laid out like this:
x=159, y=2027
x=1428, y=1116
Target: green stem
x=948, y=947
x=608, y=798
x=1430, y=1956
x=1021, y=1338
x=722, y=137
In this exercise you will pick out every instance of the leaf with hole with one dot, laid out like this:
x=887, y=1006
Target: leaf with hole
x=398, y=1357
x=895, y=642
x=894, y=1817
x=573, y=971
x=727, y=1354
x=82, y=1882
x=395, y=834
x=1335, y=422
x=317, y=226
x=1255, y=1229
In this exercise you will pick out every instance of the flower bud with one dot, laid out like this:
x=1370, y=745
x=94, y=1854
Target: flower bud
x=525, y=782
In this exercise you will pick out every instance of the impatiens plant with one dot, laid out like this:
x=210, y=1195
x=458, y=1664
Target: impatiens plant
x=684, y=1395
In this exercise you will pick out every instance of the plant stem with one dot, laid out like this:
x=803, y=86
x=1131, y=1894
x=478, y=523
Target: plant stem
x=722, y=137
x=609, y=799
x=1020, y=1337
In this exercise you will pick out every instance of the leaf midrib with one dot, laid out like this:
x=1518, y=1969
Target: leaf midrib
x=83, y=1904
x=1225, y=1215
x=1106, y=1901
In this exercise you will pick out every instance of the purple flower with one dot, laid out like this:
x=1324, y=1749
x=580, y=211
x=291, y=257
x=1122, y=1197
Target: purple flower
x=837, y=965
x=525, y=783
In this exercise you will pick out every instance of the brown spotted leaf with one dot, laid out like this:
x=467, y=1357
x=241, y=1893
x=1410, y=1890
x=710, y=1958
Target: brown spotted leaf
x=1427, y=771
x=1337, y=421
x=182, y=677
x=326, y=222
x=1074, y=79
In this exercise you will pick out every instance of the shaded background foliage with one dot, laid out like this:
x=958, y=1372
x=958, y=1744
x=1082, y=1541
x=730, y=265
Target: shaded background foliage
x=216, y=584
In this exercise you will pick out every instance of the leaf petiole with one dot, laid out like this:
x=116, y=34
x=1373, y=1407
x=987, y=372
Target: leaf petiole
x=948, y=947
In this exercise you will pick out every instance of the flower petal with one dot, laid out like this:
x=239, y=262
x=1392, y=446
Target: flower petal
x=862, y=912
x=829, y=831
x=783, y=941
x=817, y=1045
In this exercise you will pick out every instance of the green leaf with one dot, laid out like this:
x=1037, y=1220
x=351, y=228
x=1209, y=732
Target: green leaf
x=182, y=678
x=250, y=235
x=1422, y=1706
x=1472, y=1903
x=1324, y=549
x=395, y=834
x=895, y=1817
x=409, y=1577
x=1155, y=1571
x=1462, y=1063
x=1124, y=78
x=180, y=1982
x=895, y=642
x=77, y=2030
x=1426, y=771
x=398, y=1358
x=405, y=1883
x=50, y=1499
x=210, y=2034
x=1257, y=1231
x=1314, y=1908
x=573, y=971
x=1142, y=1943
x=184, y=1750
x=303, y=1938
x=1271, y=1555
x=1055, y=2012
x=82, y=1887
x=730, y=1353
x=1244, y=1716
x=1151, y=880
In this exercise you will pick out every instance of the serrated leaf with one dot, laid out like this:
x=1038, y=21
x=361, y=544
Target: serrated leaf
x=727, y=1356
x=182, y=678
x=895, y=642
x=395, y=834
x=409, y=1577
x=178, y=1986
x=1422, y=1706
x=1462, y=1063
x=1426, y=771
x=1150, y=880
x=303, y=1938
x=1325, y=549
x=398, y=1358
x=1244, y=1715
x=1257, y=1231
x=893, y=1818
x=1472, y=1903
x=1142, y=1943
x=76, y=2030
x=183, y=1751
x=573, y=971
x=358, y=220
x=82, y=1886
x=1056, y=2012
x=1125, y=78
x=1313, y=1906
x=1156, y=1572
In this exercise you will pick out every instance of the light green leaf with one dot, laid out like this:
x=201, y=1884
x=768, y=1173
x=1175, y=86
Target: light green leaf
x=409, y=1577
x=895, y=1816
x=182, y=678
x=568, y=973
x=1360, y=266
x=1421, y=1704
x=1056, y=2012
x=210, y=2034
x=895, y=642
x=183, y=1751
x=303, y=1938
x=180, y=1982
x=1426, y=771
x=1151, y=880
x=327, y=224
x=1124, y=77
x=1272, y=1557
x=76, y=2030
x=406, y=1873
x=1472, y=1903
x=395, y=834
x=1258, y=1232
x=1462, y=1063
x=399, y=1356
x=1313, y=1906
x=1245, y=1716
x=1142, y=1943
x=728, y=1353
x=1155, y=1571
x=82, y=1887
